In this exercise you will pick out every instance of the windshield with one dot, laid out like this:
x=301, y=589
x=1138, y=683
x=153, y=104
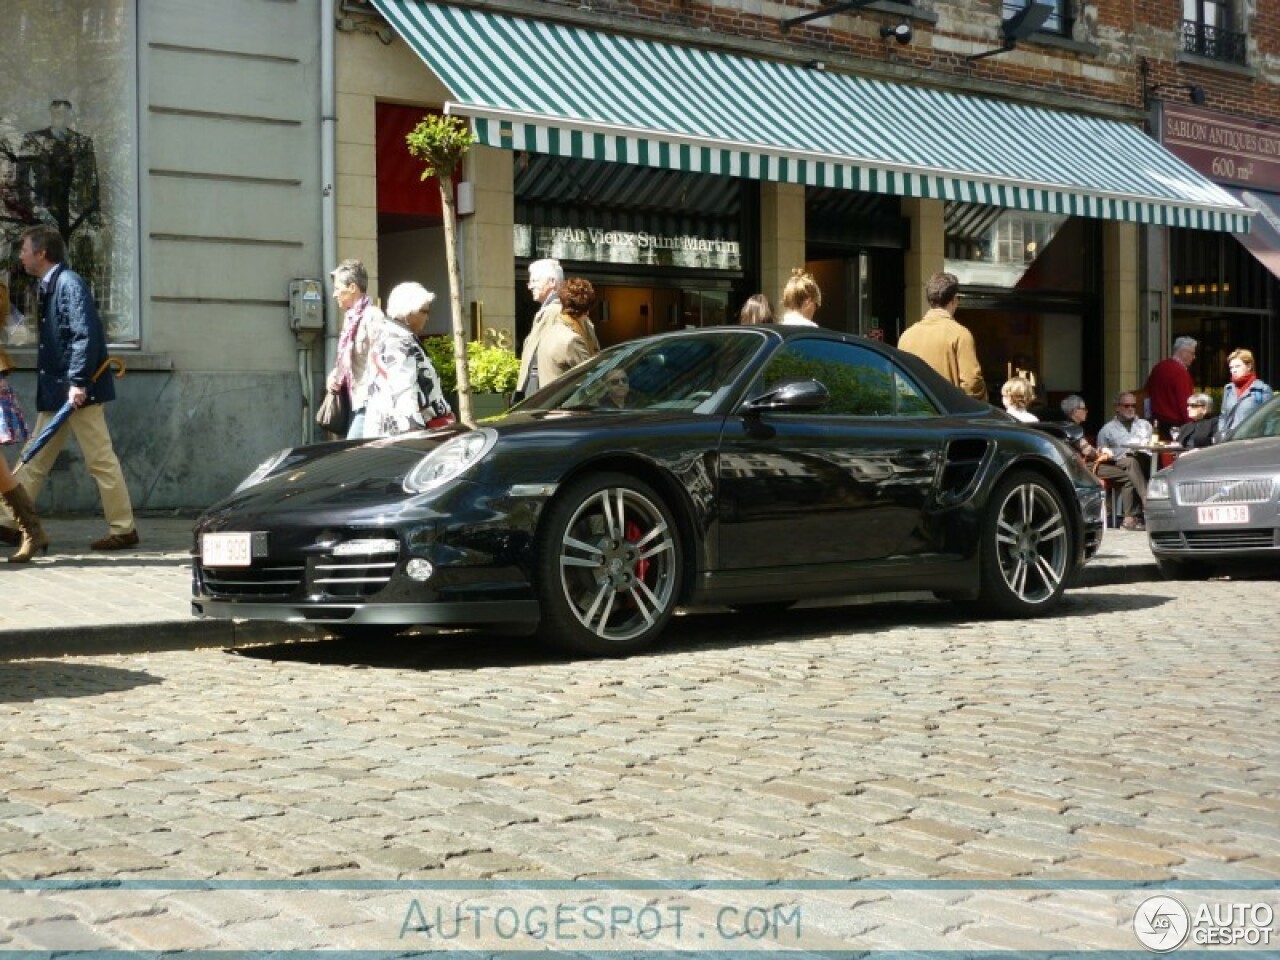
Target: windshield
x=683, y=372
x=1263, y=422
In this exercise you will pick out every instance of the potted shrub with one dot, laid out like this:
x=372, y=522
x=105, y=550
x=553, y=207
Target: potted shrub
x=492, y=371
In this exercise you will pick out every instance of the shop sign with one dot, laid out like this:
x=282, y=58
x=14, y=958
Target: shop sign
x=1224, y=148
x=598, y=245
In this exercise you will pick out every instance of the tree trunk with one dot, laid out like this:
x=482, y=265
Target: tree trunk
x=455, y=300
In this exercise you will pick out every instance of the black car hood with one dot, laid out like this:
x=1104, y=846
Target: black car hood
x=347, y=476
x=1261, y=455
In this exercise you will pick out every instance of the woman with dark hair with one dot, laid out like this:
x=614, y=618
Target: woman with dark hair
x=571, y=339
x=756, y=310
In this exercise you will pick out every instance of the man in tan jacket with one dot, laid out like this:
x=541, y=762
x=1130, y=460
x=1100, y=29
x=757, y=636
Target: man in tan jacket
x=545, y=277
x=941, y=342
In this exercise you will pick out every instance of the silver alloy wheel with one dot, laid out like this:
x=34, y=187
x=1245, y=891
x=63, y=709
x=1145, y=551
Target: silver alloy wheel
x=617, y=563
x=1032, y=542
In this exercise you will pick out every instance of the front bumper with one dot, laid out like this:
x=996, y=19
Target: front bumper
x=383, y=614
x=1176, y=531
x=471, y=568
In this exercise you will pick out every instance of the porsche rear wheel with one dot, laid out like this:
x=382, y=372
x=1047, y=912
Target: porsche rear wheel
x=1026, y=547
x=608, y=566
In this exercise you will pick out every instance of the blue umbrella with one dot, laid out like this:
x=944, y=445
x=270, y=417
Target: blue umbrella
x=58, y=419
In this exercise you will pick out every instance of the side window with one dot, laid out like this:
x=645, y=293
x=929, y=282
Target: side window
x=862, y=383
x=911, y=402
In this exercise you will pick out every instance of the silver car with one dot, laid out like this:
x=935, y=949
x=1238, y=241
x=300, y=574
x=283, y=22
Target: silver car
x=1220, y=503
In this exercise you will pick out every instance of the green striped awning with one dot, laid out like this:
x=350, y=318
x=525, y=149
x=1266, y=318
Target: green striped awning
x=553, y=88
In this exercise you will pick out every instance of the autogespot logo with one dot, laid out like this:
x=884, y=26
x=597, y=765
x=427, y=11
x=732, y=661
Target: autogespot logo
x=1161, y=924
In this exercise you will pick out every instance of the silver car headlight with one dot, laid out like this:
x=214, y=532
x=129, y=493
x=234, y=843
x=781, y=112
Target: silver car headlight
x=1158, y=488
x=263, y=470
x=449, y=461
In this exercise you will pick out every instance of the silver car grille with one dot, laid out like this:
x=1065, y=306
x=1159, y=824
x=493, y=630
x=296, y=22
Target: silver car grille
x=352, y=576
x=358, y=576
x=1225, y=491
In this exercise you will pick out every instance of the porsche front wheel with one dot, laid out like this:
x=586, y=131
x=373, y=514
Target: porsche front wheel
x=608, y=566
x=1026, y=547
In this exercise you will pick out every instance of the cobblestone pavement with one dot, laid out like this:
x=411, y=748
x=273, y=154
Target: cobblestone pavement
x=78, y=601
x=331, y=796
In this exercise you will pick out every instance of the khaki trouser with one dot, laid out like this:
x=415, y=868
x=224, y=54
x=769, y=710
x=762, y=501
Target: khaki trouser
x=89, y=424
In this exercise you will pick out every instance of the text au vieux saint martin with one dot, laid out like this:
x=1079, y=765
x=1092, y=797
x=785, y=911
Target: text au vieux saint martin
x=479, y=924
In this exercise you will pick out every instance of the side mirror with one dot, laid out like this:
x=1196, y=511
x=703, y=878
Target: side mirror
x=793, y=395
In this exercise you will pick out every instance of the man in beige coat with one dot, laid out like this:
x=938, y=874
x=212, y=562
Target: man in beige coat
x=941, y=342
x=545, y=277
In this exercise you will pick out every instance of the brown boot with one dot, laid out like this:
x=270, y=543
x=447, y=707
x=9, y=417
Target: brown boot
x=24, y=511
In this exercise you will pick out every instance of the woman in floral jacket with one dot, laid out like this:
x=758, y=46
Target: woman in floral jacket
x=404, y=390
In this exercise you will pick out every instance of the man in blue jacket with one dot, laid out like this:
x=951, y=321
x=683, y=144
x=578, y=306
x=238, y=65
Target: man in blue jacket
x=73, y=348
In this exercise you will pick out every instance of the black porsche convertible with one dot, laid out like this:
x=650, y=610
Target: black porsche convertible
x=746, y=466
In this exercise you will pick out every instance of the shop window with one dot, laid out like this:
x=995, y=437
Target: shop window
x=1211, y=269
x=1059, y=21
x=67, y=155
x=994, y=247
x=1208, y=30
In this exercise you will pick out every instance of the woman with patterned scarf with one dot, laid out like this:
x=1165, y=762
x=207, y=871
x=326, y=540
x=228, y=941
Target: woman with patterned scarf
x=361, y=326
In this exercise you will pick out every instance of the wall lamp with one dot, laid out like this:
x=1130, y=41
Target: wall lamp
x=1195, y=92
x=830, y=11
x=1018, y=27
x=901, y=32
x=359, y=24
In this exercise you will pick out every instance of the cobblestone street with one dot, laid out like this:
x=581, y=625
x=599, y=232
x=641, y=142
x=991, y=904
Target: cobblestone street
x=1132, y=738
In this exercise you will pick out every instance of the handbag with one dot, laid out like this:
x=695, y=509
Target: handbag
x=333, y=414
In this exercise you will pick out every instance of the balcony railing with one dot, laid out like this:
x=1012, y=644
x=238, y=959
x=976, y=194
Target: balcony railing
x=1216, y=43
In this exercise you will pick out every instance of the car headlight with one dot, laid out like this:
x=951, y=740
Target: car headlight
x=263, y=470
x=1158, y=488
x=449, y=460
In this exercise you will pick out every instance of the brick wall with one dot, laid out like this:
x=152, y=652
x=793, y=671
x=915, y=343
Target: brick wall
x=1101, y=62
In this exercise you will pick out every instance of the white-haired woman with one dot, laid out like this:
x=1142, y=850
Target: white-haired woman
x=404, y=392
x=1199, y=429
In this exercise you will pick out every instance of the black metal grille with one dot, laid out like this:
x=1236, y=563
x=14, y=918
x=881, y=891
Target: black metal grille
x=1217, y=43
x=1216, y=540
x=258, y=581
x=292, y=577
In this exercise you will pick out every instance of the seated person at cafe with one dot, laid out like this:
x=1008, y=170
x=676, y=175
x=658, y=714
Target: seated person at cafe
x=1199, y=430
x=1126, y=474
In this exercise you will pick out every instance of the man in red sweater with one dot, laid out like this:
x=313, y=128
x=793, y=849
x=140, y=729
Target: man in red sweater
x=1169, y=385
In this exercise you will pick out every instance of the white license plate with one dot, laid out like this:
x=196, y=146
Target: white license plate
x=1222, y=514
x=226, y=549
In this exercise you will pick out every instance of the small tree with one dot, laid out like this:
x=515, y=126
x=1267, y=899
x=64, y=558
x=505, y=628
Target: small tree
x=441, y=142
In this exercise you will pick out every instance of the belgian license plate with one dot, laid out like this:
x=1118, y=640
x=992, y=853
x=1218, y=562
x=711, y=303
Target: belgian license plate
x=226, y=549
x=1223, y=514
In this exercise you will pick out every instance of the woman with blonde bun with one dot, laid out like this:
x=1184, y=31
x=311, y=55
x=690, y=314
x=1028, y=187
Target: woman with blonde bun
x=801, y=299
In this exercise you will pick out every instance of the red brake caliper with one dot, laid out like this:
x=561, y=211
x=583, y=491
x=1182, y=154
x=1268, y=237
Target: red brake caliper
x=632, y=531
